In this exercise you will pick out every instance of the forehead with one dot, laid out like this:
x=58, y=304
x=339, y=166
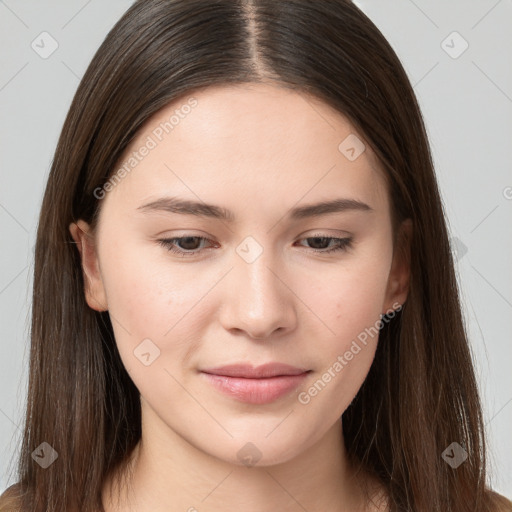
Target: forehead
x=264, y=145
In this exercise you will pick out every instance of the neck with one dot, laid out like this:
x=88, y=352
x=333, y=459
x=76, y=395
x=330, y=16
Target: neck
x=165, y=471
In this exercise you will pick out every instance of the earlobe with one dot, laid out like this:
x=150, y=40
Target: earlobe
x=399, y=276
x=94, y=289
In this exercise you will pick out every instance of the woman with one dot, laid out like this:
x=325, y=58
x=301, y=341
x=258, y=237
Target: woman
x=244, y=294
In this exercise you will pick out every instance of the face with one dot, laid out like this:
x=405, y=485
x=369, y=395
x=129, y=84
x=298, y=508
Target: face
x=268, y=281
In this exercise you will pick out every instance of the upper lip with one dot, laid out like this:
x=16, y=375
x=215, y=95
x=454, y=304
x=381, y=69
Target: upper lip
x=249, y=372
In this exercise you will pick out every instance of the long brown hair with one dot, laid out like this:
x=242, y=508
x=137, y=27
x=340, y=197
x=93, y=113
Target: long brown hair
x=420, y=395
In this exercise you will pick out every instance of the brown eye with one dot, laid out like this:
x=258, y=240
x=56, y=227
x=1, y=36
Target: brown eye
x=183, y=246
x=341, y=244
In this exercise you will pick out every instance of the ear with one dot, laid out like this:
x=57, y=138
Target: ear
x=85, y=243
x=399, y=275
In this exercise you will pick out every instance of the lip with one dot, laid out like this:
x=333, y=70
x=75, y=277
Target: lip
x=260, y=385
x=249, y=372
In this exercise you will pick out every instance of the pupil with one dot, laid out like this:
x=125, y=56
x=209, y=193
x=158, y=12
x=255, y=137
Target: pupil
x=186, y=240
x=316, y=239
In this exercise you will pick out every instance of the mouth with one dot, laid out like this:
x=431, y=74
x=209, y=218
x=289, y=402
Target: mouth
x=247, y=371
x=261, y=385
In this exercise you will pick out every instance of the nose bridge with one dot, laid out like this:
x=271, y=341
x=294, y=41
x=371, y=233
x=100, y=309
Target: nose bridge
x=255, y=279
x=259, y=304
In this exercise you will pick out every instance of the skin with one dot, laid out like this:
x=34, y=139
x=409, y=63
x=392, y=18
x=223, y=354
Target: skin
x=257, y=150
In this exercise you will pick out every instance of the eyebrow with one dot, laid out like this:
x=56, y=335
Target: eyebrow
x=199, y=209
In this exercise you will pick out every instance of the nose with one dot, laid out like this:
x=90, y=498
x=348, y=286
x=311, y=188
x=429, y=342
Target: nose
x=257, y=300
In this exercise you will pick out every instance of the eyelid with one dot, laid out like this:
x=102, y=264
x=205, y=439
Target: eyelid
x=343, y=244
x=319, y=232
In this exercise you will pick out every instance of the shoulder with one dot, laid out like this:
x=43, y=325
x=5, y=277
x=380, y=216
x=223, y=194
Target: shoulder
x=498, y=502
x=10, y=499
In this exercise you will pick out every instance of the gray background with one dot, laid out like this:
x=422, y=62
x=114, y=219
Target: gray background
x=466, y=98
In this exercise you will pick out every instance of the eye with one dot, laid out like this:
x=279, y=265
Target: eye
x=189, y=244
x=341, y=244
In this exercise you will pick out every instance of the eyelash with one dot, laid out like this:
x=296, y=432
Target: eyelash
x=342, y=245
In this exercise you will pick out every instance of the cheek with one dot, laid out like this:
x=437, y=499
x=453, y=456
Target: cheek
x=151, y=300
x=347, y=302
x=344, y=353
x=347, y=298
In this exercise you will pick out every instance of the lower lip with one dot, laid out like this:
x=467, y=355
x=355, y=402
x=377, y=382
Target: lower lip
x=256, y=391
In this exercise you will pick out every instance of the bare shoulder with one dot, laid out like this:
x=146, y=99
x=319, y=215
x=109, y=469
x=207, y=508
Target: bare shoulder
x=499, y=502
x=10, y=499
x=380, y=501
